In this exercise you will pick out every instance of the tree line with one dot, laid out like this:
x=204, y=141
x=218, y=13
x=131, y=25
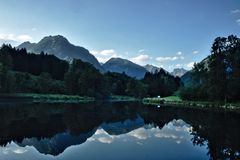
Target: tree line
x=22, y=72
x=217, y=78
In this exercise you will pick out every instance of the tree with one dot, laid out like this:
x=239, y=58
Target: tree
x=44, y=82
x=218, y=76
x=85, y=80
x=6, y=76
x=136, y=89
x=34, y=63
x=217, y=70
x=161, y=83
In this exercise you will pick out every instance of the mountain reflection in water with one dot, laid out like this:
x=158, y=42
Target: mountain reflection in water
x=116, y=131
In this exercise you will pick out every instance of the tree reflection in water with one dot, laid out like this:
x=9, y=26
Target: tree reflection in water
x=70, y=124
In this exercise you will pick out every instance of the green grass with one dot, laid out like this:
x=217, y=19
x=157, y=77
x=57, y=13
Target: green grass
x=50, y=97
x=163, y=99
x=122, y=98
x=61, y=98
x=172, y=99
x=177, y=101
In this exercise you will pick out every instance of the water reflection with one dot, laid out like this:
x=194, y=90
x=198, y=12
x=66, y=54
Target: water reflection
x=116, y=131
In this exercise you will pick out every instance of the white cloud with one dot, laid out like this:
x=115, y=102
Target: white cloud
x=165, y=135
x=105, y=55
x=11, y=148
x=168, y=59
x=102, y=136
x=105, y=139
x=141, y=59
x=19, y=150
x=100, y=131
x=178, y=65
x=107, y=52
x=94, y=52
x=179, y=53
x=105, y=59
x=24, y=38
x=161, y=66
x=158, y=65
x=165, y=59
x=238, y=21
x=190, y=65
x=139, y=133
x=170, y=67
x=141, y=50
x=18, y=38
x=235, y=11
x=195, y=52
x=7, y=37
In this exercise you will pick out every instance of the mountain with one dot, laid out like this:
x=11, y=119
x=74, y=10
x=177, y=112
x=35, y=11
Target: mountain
x=152, y=69
x=123, y=127
x=187, y=79
x=178, y=72
x=120, y=65
x=11, y=42
x=62, y=48
x=56, y=144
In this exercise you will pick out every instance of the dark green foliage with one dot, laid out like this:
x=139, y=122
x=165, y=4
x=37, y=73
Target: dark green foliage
x=85, y=80
x=217, y=77
x=6, y=76
x=7, y=81
x=122, y=84
x=34, y=63
x=27, y=83
x=136, y=88
x=42, y=73
x=117, y=82
x=161, y=83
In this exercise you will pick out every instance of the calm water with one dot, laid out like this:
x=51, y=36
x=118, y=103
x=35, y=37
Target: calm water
x=118, y=131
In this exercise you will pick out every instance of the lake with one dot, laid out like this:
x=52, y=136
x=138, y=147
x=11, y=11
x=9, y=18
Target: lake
x=118, y=131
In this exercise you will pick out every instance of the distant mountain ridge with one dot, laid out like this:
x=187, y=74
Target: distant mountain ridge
x=179, y=72
x=152, y=69
x=11, y=42
x=62, y=48
x=120, y=65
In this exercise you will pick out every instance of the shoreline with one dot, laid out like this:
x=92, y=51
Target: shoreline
x=193, y=104
x=167, y=101
x=59, y=98
x=44, y=98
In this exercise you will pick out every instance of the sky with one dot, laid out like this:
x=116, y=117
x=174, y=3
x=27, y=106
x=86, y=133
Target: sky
x=165, y=33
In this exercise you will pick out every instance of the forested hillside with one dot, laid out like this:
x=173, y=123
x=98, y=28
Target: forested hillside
x=22, y=72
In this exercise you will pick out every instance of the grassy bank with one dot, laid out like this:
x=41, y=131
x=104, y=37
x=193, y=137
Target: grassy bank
x=59, y=98
x=45, y=98
x=177, y=101
x=119, y=98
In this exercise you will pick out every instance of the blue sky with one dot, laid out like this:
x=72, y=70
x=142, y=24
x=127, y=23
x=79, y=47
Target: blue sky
x=166, y=33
